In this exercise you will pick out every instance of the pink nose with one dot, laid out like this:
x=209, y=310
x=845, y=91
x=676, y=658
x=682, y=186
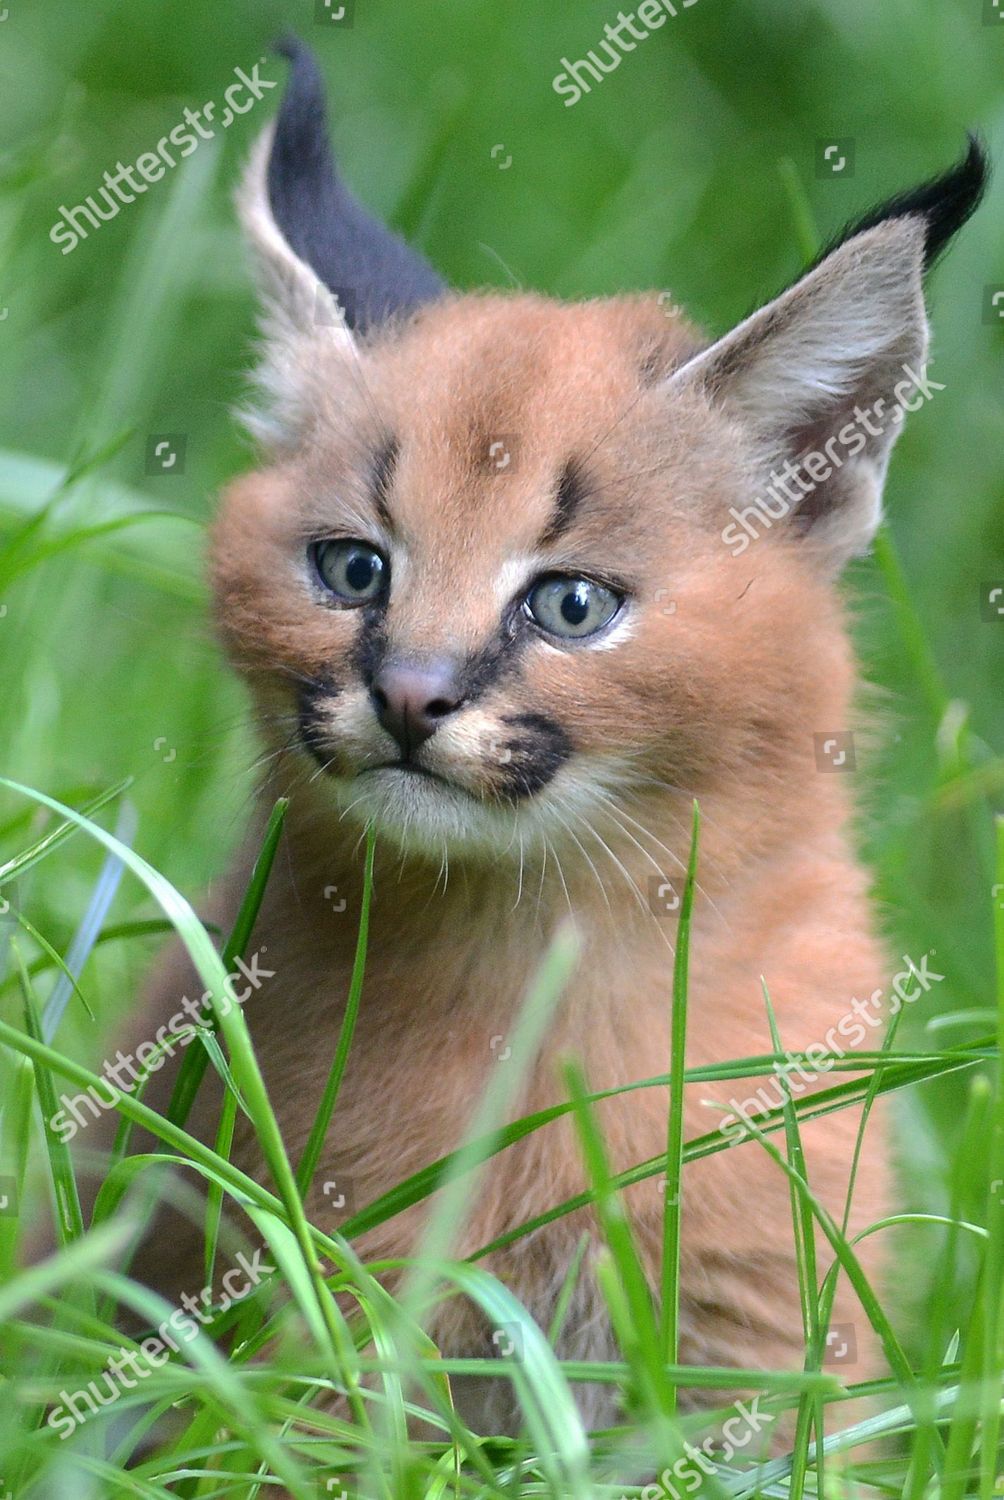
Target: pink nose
x=412, y=701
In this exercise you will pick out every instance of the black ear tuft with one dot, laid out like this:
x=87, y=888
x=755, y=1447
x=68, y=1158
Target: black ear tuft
x=944, y=203
x=373, y=273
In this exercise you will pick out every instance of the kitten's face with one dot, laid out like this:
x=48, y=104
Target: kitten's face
x=486, y=600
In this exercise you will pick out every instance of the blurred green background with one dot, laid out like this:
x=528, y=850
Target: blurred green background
x=695, y=166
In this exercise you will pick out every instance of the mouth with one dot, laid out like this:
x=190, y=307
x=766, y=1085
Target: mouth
x=410, y=768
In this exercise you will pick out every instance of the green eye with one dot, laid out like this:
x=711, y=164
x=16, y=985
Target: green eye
x=572, y=607
x=354, y=571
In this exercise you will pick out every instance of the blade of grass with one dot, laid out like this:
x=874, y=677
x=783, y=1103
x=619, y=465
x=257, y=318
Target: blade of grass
x=223, y=1145
x=993, y=1265
x=319, y=1130
x=15, y=1133
x=245, y=1068
x=643, y=1345
x=552, y=1418
x=69, y=1219
x=90, y=925
x=810, y=1410
x=973, y=1134
x=193, y=1068
x=870, y=1304
x=23, y=862
x=236, y=1403
x=672, y=1208
x=56, y=959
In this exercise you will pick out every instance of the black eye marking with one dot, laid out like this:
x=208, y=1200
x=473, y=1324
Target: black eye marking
x=382, y=480
x=370, y=645
x=535, y=756
x=498, y=659
x=572, y=489
x=312, y=718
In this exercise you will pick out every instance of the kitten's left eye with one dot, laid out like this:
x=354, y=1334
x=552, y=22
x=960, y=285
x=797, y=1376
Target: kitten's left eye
x=572, y=607
x=354, y=571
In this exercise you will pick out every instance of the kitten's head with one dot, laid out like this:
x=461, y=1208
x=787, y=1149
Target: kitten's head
x=516, y=566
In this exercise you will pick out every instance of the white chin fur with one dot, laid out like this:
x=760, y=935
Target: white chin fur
x=421, y=815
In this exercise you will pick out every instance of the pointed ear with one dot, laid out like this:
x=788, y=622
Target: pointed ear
x=325, y=266
x=300, y=208
x=820, y=377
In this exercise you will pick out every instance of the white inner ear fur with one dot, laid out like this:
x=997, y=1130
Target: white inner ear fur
x=297, y=310
x=844, y=336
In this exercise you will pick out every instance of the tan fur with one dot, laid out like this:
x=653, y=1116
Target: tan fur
x=727, y=668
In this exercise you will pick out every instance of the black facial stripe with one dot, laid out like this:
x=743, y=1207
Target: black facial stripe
x=312, y=716
x=500, y=657
x=571, y=492
x=370, y=645
x=536, y=756
x=383, y=478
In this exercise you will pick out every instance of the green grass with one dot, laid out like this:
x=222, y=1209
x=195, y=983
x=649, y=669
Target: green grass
x=127, y=760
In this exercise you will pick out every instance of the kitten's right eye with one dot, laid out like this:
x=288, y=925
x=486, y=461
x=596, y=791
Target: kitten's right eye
x=354, y=571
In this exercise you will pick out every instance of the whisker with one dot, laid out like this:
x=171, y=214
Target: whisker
x=581, y=847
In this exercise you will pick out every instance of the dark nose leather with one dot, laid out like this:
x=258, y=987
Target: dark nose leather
x=412, y=701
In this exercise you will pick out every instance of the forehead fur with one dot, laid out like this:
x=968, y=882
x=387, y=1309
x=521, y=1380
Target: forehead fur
x=485, y=400
x=468, y=369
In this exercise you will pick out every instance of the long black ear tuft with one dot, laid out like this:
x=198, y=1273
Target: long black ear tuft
x=944, y=203
x=373, y=273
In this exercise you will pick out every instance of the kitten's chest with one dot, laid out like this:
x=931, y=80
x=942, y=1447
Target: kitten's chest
x=435, y=1029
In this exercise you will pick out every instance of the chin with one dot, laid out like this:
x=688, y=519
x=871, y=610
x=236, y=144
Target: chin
x=424, y=814
x=427, y=815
